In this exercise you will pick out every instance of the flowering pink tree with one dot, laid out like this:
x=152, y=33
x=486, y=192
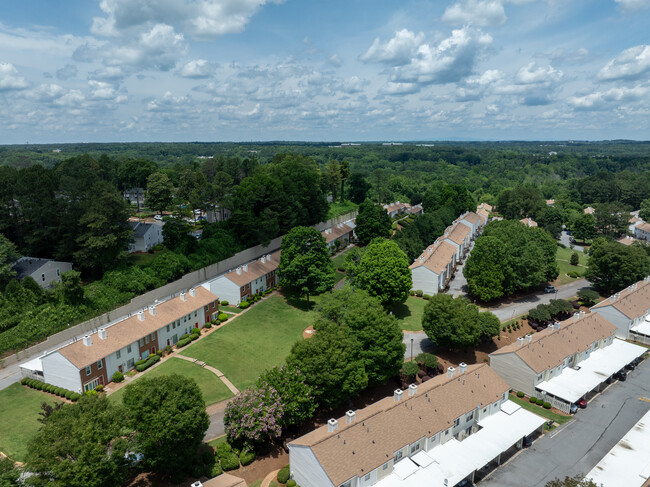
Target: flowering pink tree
x=296, y=395
x=254, y=416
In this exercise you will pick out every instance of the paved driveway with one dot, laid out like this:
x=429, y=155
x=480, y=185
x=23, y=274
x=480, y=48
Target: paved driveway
x=579, y=445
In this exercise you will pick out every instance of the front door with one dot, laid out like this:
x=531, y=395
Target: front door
x=120, y=368
x=153, y=350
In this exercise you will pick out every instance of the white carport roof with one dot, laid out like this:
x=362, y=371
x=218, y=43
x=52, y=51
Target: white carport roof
x=455, y=460
x=628, y=462
x=573, y=384
x=34, y=365
x=642, y=328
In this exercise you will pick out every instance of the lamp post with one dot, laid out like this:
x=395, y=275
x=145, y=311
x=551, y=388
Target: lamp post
x=411, y=349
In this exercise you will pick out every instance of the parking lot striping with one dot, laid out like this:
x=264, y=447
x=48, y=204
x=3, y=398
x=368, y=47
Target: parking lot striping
x=644, y=399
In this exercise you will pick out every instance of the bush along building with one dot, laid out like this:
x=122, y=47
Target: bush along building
x=92, y=360
x=436, y=433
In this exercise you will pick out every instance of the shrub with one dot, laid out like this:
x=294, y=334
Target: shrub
x=24, y=381
x=99, y=388
x=208, y=325
x=426, y=296
x=216, y=470
x=503, y=329
x=141, y=362
x=68, y=394
x=195, y=331
x=412, y=292
x=60, y=391
x=520, y=394
x=244, y=304
x=180, y=344
x=168, y=349
x=291, y=483
x=283, y=475
x=74, y=397
x=39, y=385
x=141, y=367
x=246, y=457
x=183, y=337
x=573, y=274
x=118, y=377
x=427, y=360
x=224, y=303
x=539, y=401
x=194, y=336
x=533, y=399
x=159, y=352
x=223, y=448
x=222, y=317
x=547, y=405
x=410, y=369
x=419, y=293
x=229, y=461
x=575, y=260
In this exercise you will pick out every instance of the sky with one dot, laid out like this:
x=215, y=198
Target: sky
x=334, y=70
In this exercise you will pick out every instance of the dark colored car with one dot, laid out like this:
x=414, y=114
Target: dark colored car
x=582, y=403
x=621, y=375
x=527, y=441
x=630, y=366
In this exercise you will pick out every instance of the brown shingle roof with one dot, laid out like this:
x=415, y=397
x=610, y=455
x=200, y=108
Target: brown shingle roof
x=384, y=427
x=627, y=240
x=529, y=222
x=633, y=301
x=441, y=253
x=549, y=347
x=390, y=207
x=459, y=233
x=225, y=480
x=471, y=217
x=336, y=232
x=132, y=329
x=644, y=226
x=256, y=269
x=485, y=206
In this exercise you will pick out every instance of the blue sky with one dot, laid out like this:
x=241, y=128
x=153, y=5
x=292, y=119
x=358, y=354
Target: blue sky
x=242, y=70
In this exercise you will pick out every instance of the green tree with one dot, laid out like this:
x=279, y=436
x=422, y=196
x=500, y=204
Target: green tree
x=332, y=364
x=344, y=169
x=515, y=204
x=644, y=212
x=358, y=188
x=453, y=322
x=584, y=227
x=176, y=235
x=168, y=416
x=9, y=473
x=384, y=272
x=8, y=255
x=612, y=219
x=332, y=178
x=489, y=325
x=588, y=296
x=305, y=267
x=72, y=292
x=486, y=274
x=296, y=395
x=372, y=222
x=576, y=481
x=575, y=259
x=612, y=266
x=160, y=192
x=82, y=444
x=550, y=219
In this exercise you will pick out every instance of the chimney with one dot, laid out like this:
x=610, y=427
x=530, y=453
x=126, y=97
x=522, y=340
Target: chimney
x=239, y=271
x=451, y=371
x=557, y=325
x=520, y=341
x=576, y=316
x=102, y=333
x=141, y=315
x=398, y=394
x=268, y=257
x=350, y=416
x=462, y=367
x=528, y=338
x=332, y=425
x=152, y=310
x=263, y=259
x=413, y=390
x=183, y=297
x=245, y=267
x=193, y=292
x=582, y=313
x=87, y=340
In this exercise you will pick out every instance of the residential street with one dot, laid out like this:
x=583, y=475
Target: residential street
x=579, y=445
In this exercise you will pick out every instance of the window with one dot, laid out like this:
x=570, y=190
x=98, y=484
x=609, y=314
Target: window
x=141, y=342
x=167, y=328
x=130, y=363
x=118, y=354
x=184, y=319
x=195, y=312
x=469, y=417
x=384, y=466
x=347, y=484
x=205, y=308
x=243, y=289
x=457, y=422
x=43, y=277
x=415, y=447
x=91, y=385
x=366, y=478
x=58, y=272
x=539, y=377
x=99, y=365
x=88, y=370
x=398, y=456
x=174, y=325
x=447, y=433
x=128, y=349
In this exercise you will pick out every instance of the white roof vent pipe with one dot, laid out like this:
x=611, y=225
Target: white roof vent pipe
x=245, y=267
x=141, y=315
x=332, y=425
x=413, y=389
x=152, y=310
x=398, y=394
x=193, y=292
x=87, y=340
x=263, y=259
x=350, y=416
x=102, y=333
x=268, y=256
x=520, y=340
x=462, y=367
x=238, y=271
x=183, y=297
x=528, y=338
x=451, y=371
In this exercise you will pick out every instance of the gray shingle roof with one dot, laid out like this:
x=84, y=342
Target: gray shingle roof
x=25, y=266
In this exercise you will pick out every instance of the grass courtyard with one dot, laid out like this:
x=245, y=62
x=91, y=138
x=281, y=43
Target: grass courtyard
x=540, y=411
x=563, y=257
x=410, y=313
x=256, y=341
x=211, y=386
x=18, y=418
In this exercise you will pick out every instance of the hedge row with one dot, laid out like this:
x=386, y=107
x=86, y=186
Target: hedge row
x=52, y=389
x=142, y=365
x=229, y=459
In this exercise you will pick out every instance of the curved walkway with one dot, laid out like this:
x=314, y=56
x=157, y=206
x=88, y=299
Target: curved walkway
x=269, y=478
x=217, y=372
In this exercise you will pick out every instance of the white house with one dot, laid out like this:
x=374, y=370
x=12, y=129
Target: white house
x=529, y=222
x=432, y=270
x=397, y=208
x=642, y=231
x=460, y=236
x=435, y=433
x=145, y=236
x=627, y=308
x=44, y=271
x=566, y=362
x=84, y=364
x=473, y=221
x=342, y=233
x=135, y=196
x=248, y=280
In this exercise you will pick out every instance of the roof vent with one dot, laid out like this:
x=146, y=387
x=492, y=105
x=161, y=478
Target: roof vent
x=332, y=425
x=350, y=416
x=557, y=325
x=102, y=333
x=245, y=267
x=152, y=310
x=576, y=316
x=183, y=297
x=528, y=338
x=413, y=389
x=193, y=292
x=141, y=315
x=582, y=313
x=451, y=371
x=268, y=257
x=398, y=394
x=520, y=340
x=87, y=340
x=263, y=259
x=197, y=484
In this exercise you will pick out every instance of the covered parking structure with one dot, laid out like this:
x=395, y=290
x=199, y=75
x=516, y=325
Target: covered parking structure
x=454, y=461
x=588, y=378
x=641, y=332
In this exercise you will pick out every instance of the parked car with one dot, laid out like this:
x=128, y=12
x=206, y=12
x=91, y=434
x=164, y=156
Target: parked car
x=157, y=217
x=582, y=403
x=621, y=375
x=573, y=408
x=630, y=366
x=527, y=441
x=549, y=289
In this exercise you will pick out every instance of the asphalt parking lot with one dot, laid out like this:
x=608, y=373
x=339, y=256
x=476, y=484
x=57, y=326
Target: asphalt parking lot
x=577, y=446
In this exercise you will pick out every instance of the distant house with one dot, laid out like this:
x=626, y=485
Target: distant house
x=633, y=222
x=627, y=240
x=433, y=269
x=627, y=309
x=416, y=210
x=135, y=196
x=642, y=231
x=438, y=433
x=589, y=210
x=550, y=202
x=44, y=271
x=341, y=233
x=145, y=236
x=247, y=280
x=486, y=207
x=218, y=215
x=529, y=222
x=396, y=209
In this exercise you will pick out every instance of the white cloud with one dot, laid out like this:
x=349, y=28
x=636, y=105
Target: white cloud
x=10, y=78
x=633, y=5
x=475, y=87
x=603, y=100
x=397, y=51
x=66, y=72
x=631, y=64
x=532, y=74
x=476, y=12
x=197, y=69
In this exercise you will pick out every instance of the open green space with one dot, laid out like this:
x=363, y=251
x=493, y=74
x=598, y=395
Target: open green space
x=211, y=386
x=339, y=263
x=341, y=208
x=410, y=313
x=230, y=309
x=540, y=411
x=217, y=441
x=254, y=342
x=563, y=257
x=144, y=259
x=18, y=418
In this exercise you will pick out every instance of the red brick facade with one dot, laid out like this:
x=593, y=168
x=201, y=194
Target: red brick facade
x=95, y=373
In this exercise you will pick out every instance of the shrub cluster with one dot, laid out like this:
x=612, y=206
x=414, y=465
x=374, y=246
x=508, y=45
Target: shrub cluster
x=520, y=394
x=410, y=369
x=533, y=400
x=419, y=293
x=42, y=386
x=142, y=365
x=283, y=475
x=118, y=377
x=222, y=317
x=182, y=342
x=224, y=303
x=244, y=305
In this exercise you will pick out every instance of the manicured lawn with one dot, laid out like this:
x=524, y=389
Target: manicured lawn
x=339, y=260
x=539, y=410
x=341, y=208
x=230, y=309
x=217, y=441
x=563, y=257
x=18, y=418
x=255, y=341
x=211, y=386
x=410, y=313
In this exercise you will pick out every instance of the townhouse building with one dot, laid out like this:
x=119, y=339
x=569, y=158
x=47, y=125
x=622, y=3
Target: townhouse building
x=628, y=310
x=642, y=231
x=474, y=221
x=435, y=433
x=397, y=208
x=432, y=271
x=343, y=233
x=566, y=362
x=529, y=222
x=84, y=364
x=244, y=282
x=460, y=236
